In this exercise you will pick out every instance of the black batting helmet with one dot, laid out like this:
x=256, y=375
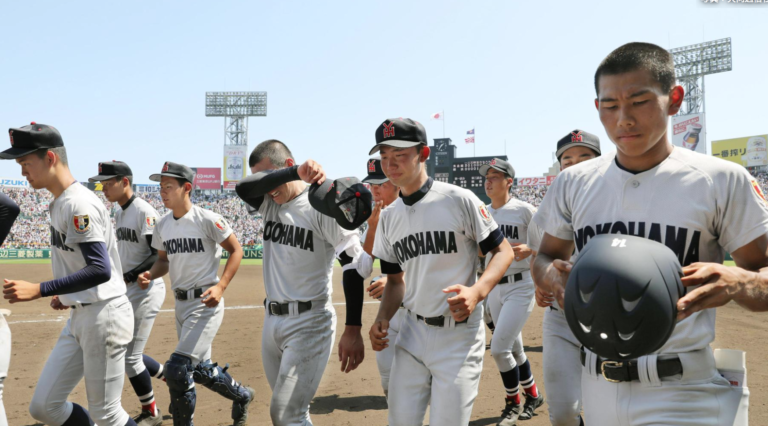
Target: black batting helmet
x=621, y=296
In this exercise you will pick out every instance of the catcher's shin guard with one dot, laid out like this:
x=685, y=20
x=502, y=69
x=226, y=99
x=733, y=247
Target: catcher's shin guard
x=178, y=376
x=220, y=381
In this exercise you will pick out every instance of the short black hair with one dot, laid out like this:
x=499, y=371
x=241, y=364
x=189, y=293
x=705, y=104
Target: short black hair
x=120, y=179
x=60, y=151
x=276, y=151
x=639, y=56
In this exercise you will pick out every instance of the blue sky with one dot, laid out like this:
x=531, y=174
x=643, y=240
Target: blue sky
x=127, y=80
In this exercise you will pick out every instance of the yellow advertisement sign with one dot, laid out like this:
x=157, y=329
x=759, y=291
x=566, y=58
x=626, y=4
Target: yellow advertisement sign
x=751, y=151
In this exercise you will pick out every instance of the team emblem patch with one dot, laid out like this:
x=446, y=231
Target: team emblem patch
x=577, y=137
x=389, y=130
x=493, y=162
x=151, y=221
x=372, y=166
x=165, y=167
x=221, y=224
x=759, y=191
x=485, y=213
x=82, y=223
x=99, y=168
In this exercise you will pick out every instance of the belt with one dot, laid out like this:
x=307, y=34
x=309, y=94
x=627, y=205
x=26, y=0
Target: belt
x=626, y=371
x=517, y=277
x=184, y=294
x=275, y=308
x=82, y=305
x=437, y=321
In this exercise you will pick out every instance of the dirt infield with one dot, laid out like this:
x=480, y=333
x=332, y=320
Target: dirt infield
x=352, y=399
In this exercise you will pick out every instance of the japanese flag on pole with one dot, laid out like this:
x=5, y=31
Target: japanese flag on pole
x=437, y=116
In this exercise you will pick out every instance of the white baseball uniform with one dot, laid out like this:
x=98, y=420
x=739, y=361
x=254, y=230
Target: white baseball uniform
x=433, y=234
x=300, y=245
x=511, y=303
x=5, y=359
x=94, y=340
x=562, y=368
x=192, y=246
x=134, y=222
x=698, y=206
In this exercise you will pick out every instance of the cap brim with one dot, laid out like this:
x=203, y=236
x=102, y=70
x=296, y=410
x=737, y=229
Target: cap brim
x=562, y=150
x=376, y=180
x=395, y=143
x=317, y=194
x=100, y=178
x=158, y=177
x=13, y=153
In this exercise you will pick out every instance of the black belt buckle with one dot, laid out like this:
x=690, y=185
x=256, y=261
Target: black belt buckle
x=608, y=367
x=275, y=309
x=181, y=294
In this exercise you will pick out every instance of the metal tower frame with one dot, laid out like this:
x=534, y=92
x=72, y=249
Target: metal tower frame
x=236, y=107
x=692, y=63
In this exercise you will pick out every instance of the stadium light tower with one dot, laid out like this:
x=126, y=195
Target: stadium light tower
x=692, y=63
x=236, y=107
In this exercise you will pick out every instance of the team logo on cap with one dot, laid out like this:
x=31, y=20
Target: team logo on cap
x=151, y=221
x=493, y=162
x=82, y=223
x=99, y=168
x=165, y=167
x=221, y=224
x=577, y=137
x=389, y=130
x=10, y=134
x=372, y=166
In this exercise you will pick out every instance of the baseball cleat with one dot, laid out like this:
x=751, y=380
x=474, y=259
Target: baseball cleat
x=510, y=414
x=531, y=404
x=147, y=419
x=240, y=409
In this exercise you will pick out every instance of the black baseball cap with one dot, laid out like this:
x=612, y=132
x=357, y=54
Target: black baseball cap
x=28, y=139
x=500, y=165
x=347, y=200
x=174, y=170
x=376, y=175
x=578, y=138
x=400, y=133
x=110, y=169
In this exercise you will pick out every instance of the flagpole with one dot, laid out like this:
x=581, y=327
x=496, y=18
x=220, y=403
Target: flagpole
x=443, y=124
x=474, y=138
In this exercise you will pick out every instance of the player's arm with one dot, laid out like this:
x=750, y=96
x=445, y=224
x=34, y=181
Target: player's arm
x=373, y=224
x=467, y=298
x=253, y=188
x=393, y=297
x=746, y=283
x=144, y=266
x=97, y=271
x=158, y=269
x=551, y=266
x=212, y=296
x=8, y=213
x=356, y=266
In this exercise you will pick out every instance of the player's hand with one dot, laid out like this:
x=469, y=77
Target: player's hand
x=544, y=299
x=351, y=348
x=375, y=212
x=522, y=251
x=376, y=289
x=212, y=296
x=311, y=172
x=378, y=334
x=463, y=303
x=144, y=279
x=57, y=305
x=20, y=291
x=719, y=285
x=555, y=278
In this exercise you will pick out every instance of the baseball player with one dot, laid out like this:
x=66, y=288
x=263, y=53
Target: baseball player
x=433, y=232
x=384, y=194
x=188, y=241
x=696, y=205
x=562, y=369
x=300, y=244
x=8, y=213
x=511, y=301
x=135, y=222
x=88, y=279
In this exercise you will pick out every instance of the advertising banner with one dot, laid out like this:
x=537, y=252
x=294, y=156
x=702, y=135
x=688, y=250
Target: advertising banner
x=748, y=151
x=234, y=165
x=688, y=132
x=207, y=177
x=14, y=183
x=535, y=181
x=144, y=188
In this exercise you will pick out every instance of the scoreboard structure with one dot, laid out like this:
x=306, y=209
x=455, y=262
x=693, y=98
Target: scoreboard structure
x=444, y=166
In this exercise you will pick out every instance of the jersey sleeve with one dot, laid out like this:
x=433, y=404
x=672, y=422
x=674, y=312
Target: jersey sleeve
x=479, y=225
x=85, y=222
x=148, y=217
x=534, y=235
x=382, y=249
x=157, y=239
x=554, y=213
x=217, y=228
x=742, y=210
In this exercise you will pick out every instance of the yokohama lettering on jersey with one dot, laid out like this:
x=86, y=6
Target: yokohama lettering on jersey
x=698, y=206
x=133, y=224
x=513, y=219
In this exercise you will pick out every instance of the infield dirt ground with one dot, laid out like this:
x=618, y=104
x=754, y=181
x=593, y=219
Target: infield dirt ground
x=342, y=399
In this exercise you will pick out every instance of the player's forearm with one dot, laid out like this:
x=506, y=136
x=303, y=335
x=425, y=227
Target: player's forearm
x=370, y=237
x=539, y=268
x=97, y=271
x=494, y=271
x=254, y=187
x=144, y=266
x=753, y=292
x=230, y=269
x=159, y=269
x=392, y=298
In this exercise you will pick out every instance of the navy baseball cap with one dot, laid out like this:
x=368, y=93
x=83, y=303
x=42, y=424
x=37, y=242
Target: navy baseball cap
x=110, y=169
x=28, y=139
x=578, y=138
x=174, y=170
x=500, y=165
x=347, y=200
x=400, y=133
x=376, y=175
